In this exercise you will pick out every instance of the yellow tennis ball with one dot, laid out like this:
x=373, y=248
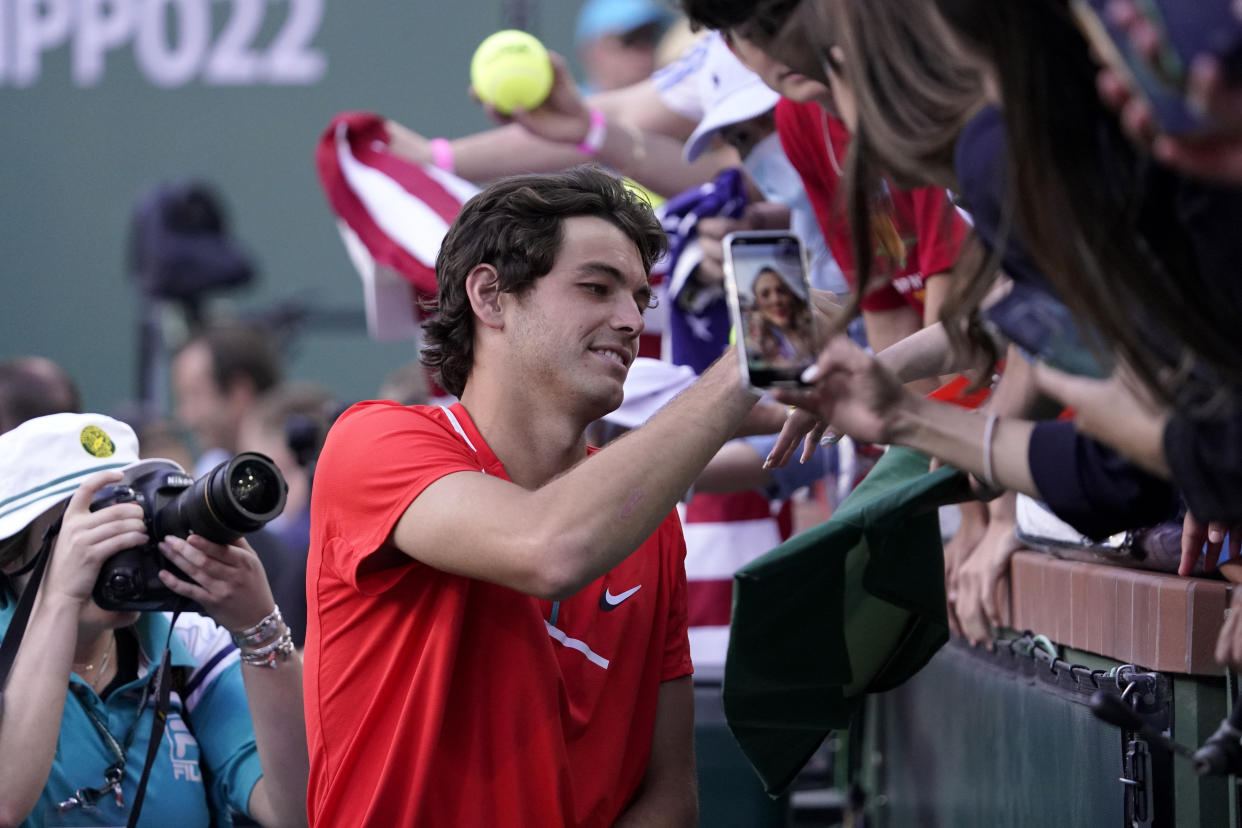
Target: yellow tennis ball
x=510, y=69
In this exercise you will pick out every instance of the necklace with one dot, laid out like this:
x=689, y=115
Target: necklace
x=98, y=670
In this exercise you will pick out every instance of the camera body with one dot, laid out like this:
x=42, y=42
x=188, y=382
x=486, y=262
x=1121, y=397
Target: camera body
x=236, y=497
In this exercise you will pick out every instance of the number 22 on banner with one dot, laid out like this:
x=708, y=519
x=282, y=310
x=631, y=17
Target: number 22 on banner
x=173, y=41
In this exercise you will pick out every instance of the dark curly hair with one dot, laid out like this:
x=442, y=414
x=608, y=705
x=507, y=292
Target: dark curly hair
x=757, y=20
x=515, y=226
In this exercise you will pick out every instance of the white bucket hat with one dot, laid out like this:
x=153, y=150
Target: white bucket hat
x=43, y=461
x=732, y=94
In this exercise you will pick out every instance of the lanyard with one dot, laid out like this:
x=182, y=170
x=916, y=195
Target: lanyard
x=159, y=679
x=115, y=772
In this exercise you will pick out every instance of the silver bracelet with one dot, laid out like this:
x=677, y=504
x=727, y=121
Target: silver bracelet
x=989, y=431
x=272, y=653
x=264, y=631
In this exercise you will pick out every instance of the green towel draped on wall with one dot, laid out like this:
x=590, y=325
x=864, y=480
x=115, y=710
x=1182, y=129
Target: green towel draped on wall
x=853, y=606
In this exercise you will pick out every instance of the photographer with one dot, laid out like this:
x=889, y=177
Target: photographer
x=71, y=705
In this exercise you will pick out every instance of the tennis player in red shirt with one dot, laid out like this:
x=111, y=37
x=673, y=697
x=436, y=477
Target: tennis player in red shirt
x=497, y=630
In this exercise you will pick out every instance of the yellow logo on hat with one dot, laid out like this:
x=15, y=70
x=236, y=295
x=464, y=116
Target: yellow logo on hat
x=97, y=443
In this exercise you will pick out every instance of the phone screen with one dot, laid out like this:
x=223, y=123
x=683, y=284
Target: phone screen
x=1046, y=330
x=769, y=298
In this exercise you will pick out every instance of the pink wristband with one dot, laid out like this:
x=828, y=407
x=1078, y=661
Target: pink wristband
x=442, y=153
x=594, y=140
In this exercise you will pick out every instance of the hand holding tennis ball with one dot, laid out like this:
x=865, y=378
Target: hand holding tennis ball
x=511, y=69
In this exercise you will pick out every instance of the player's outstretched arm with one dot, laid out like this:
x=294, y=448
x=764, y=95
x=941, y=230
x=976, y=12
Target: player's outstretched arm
x=554, y=540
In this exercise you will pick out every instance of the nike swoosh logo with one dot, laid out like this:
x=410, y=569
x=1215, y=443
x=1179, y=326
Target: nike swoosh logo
x=608, y=601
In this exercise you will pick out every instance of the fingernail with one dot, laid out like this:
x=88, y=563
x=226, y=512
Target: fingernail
x=811, y=374
x=767, y=464
x=1203, y=67
x=1215, y=535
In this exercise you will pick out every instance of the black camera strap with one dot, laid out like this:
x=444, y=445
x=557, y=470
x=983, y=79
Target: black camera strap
x=163, y=689
x=21, y=614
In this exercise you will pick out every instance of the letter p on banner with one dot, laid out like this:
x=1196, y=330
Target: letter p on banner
x=38, y=26
x=102, y=25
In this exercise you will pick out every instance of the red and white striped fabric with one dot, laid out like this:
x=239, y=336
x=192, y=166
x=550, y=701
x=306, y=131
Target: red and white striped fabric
x=724, y=532
x=392, y=214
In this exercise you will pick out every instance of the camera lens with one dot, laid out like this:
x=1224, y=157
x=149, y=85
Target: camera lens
x=122, y=585
x=255, y=486
x=235, y=498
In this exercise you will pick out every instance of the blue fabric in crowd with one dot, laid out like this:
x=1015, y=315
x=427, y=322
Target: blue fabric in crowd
x=698, y=336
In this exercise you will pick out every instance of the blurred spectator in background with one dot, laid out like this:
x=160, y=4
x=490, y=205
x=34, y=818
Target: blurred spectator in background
x=407, y=385
x=216, y=378
x=288, y=424
x=163, y=438
x=32, y=386
x=617, y=39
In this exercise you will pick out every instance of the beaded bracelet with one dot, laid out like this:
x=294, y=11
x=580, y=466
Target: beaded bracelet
x=272, y=653
x=264, y=631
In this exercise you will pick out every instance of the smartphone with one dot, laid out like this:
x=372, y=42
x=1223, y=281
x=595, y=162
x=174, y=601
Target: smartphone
x=768, y=289
x=1190, y=28
x=1044, y=328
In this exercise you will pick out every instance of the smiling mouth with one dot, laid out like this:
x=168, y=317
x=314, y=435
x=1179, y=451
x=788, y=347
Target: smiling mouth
x=612, y=356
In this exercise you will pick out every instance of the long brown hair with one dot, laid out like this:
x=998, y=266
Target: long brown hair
x=913, y=99
x=1098, y=216
x=913, y=96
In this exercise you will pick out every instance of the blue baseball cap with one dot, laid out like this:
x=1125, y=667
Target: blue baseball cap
x=604, y=17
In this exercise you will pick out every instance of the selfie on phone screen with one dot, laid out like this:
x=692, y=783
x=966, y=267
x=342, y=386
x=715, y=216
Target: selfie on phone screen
x=773, y=307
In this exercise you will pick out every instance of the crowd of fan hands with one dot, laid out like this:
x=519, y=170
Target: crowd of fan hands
x=977, y=557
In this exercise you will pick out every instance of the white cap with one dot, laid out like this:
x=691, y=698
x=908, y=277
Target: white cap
x=43, y=461
x=732, y=94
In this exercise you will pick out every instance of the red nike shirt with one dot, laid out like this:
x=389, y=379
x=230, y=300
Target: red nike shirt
x=438, y=700
x=917, y=234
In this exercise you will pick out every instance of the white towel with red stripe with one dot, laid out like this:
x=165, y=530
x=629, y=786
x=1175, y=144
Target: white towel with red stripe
x=392, y=214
